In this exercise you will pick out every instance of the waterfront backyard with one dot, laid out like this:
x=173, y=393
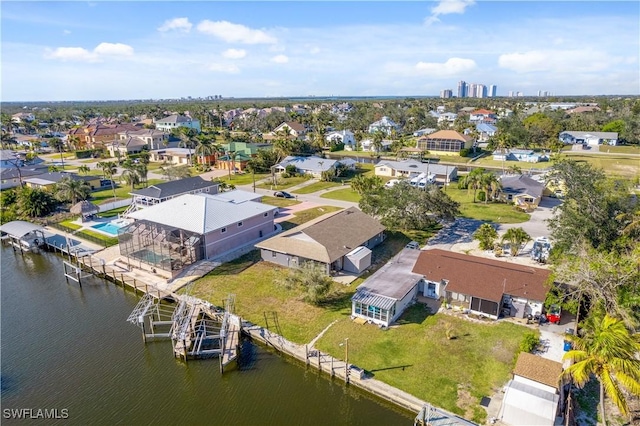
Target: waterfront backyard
x=413, y=355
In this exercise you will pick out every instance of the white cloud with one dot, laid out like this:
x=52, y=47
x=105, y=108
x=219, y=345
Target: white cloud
x=72, y=54
x=234, y=53
x=452, y=67
x=280, y=59
x=224, y=68
x=178, y=24
x=113, y=49
x=66, y=32
x=447, y=7
x=83, y=55
x=560, y=61
x=235, y=33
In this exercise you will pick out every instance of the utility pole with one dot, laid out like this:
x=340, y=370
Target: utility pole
x=346, y=360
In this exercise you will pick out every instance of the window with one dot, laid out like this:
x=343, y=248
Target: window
x=274, y=254
x=223, y=230
x=239, y=224
x=266, y=214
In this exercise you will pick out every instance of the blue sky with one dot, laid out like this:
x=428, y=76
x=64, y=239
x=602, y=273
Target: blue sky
x=148, y=49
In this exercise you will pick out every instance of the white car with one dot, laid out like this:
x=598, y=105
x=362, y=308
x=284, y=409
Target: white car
x=413, y=245
x=390, y=183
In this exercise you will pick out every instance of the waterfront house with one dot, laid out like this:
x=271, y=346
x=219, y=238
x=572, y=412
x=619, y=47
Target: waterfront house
x=337, y=241
x=411, y=168
x=384, y=296
x=485, y=131
x=175, y=156
x=482, y=116
x=534, y=395
x=345, y=137
x=525, y=155
x=368, y=145
x=482, y=286
x=445, y=142
x=176, y=121
x=191, y=227
x=423, y=132
x=161, y=192
x=589, y=138
x=522, y=190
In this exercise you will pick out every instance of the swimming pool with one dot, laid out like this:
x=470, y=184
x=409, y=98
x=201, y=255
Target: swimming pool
x=109, y=228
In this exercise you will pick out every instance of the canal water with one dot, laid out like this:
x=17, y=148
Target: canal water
x=70, y=349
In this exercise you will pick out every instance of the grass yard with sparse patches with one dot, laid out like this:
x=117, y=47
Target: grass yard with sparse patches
x=122, y=192
x=243, y=179
x=494, y=212
x=304, y=216
x=279, y=202
x=284, y=183
x=254, y=282
x=344, y=194
x=416, y=356
x=315, y=187
x=627, y=167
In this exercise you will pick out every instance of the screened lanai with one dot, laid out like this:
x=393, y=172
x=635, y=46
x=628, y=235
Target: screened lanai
x=161, y=246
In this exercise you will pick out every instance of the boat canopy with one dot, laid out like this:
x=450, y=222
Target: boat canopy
x=19, y=228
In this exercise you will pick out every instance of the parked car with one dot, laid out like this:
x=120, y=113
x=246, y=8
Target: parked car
x=282, y=194
x=413, y=245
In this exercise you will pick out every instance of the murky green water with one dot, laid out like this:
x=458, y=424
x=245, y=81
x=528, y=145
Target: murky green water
x=70, y=348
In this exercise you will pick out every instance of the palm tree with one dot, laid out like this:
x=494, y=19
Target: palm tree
x=486, y=235
x=474, y=181
x=73, y=190
x=84, y=169
x=109, y=169
x=58, y=145
x=608, y=351
x=187, y=140
x=378, y=137
x=205, y=149
x=490, y=184
x=130, y=177
x=514, y=169
x=516, y=238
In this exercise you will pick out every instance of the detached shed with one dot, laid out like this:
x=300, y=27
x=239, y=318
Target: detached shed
x=357, y=260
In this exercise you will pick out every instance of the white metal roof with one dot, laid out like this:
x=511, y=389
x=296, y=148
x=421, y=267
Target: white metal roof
x=201, y=213
x=395, y=279
x=526, y=405
x=19, y=228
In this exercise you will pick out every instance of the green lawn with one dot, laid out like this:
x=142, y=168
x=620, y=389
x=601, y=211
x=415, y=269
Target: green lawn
x=315, y=187
x=108, y=241
x=628, y=167
x=490, y=162
x=417, y=357
x=254, y=283
x=70, y=224
x=279, y=202
x=344, y=194
x=113, y=212
x=307, y=215
x=494, y=212
x=243, y=179
x=122, y=192
x=621, y=149
x=284, y=183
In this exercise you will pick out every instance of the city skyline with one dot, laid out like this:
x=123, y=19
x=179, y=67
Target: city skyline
x=54, y=51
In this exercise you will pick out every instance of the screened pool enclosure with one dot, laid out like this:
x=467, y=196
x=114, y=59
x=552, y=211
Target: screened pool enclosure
x=160, y=246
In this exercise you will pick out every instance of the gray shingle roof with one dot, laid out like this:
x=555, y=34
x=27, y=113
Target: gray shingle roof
x=521, y=184
x=174, y=187
x=413, y=166
x=327, y=238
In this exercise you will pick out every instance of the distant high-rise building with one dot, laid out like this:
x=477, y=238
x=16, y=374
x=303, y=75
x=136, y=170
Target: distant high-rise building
x=446, y=93
x=462, y=89
x=493, y=90
x=481, y=91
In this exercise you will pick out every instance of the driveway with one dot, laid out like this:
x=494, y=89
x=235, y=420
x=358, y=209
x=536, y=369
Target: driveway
x=458, y=231
x=537, y=225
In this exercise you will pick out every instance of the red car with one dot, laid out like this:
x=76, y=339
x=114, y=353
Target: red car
x=553, y=316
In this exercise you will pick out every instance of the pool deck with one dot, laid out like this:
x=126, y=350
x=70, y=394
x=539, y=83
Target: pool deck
x=89, y=224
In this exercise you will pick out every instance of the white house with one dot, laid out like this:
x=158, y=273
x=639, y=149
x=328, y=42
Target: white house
x=307, y=165
x=589, y=138
x=167, y=124
x=384, y=296
x=345, y=137
x=525, y=155
x=485, y=131
x=423, y=132
x=447, y=118
x=411, y=168
x=367, y=145
x=385, y=125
